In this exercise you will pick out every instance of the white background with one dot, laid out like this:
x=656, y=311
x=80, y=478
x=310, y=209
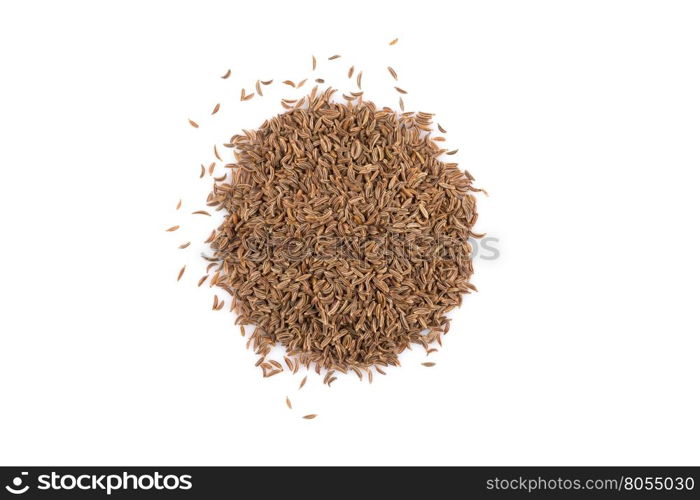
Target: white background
x=581, y=119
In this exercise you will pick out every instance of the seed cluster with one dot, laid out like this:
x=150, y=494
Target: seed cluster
x=345, y=236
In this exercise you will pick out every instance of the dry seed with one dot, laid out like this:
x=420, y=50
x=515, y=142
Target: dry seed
x=182, y=271
x=193, y=123
x=392, y=72
x=441, y=129
x=452, y=152
x=313, y=63
x=359, y=80
x=179, y=204
x=310, y=416
x=216, y=109
x=202, y=280
x=266, y=82
x=258, y=89
x=351, y=71
x=289, y=403
x=303, y=381
x=204, y=171
x=290, y=83
x=320, y=80
x=393, y=42
x=428, y=364
x=201, y=212
x=184, y=245
x=400, y=90
x=333, y=57
x=173, y=228
x=227, y=74
x=216, y=153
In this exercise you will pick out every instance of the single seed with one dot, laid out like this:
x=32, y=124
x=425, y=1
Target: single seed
x=333, y=57
x=428, y=364
x=266, y=82
x=201, y=212
x=359, y=80
x=202, y=280
x=258, y=89
x=182, y=271
x=216, y=109
x=184, y=245
x=313, y=63
x=310, y=416
x=301, y=83
x=290, y=83
x=393, y=42
x=452, y=152
x=242, y=331
x=179, y=204
x=400, y=90
x=216, y=153
x=193, y=123
x=227, y=74
x=289, y=403
x=351, y=71
x=392, y=72
x=303, y=381
x=441, y=129
x=173, y=228
x=320, y=80
x=401, y=103
x=204, y=171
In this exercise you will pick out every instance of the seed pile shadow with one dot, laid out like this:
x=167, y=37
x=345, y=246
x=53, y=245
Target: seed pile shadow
x=345, y=237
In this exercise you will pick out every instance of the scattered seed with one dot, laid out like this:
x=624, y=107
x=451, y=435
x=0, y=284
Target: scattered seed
x=428, y=364
x=401, y=103
x=266, y=82
x=333, y=57
x=227, y=74
x=301, y=83
x=242, y=331
x=179, y=204
x=258, y=89
x=393, y=42
x=182, y=271
x=452, y=152
x=212, y=166
x=193, y=123
x=313, y=63
x=216, y=153
x=320, y=80
x=204, y=171
x=290, y=83
x=184, y=245
x=173, y=228
x=201, y=212
x=289, y=403
x=202, y=280
x=351, y=71
x=216, y=108
x=441, y=129
x=310, y=416
x=400, y=90
x=303, y=382
x=249, y=96
x=359, y=80
x=392, y=72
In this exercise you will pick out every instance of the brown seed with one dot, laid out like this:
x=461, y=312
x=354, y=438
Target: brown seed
x=249, y=96
x=204, y=171
x=266, y=82
x=290, y=83
x=184, y=245
x=333, y=57
x=392, y=72
x=359, y=80
x=216, y=109
x=258, y=89
x=310, y=416
x=320, y=80
x=193, y=123
x=216, y=303
x=313, y=63
x=400, y=90
x=216, y=153
x=289, y=403
x=173, y=228
x=179, y=204
x=452, y=152
x=401, y=103
x=182, y=271
x=393, y=42
x=202, y=280
x=303, y=381
x=428, y=364
x=441, y=129
x=201, y=212
x=227, y=74
x=351, y=71
x=242, y=331
x=301, y=83
x=212, y=166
